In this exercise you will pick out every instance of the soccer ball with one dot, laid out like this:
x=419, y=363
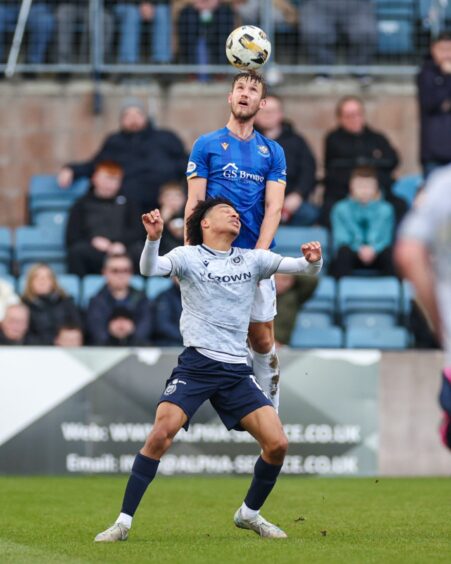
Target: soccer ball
x=248, y=47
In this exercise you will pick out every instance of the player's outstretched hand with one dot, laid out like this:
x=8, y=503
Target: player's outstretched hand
x=153, y=224
x=311, y=251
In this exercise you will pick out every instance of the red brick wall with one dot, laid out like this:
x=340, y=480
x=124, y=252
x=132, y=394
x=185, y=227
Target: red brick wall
x=43, y=125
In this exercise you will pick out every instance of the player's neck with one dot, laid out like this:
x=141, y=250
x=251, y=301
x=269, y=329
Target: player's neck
x=241, y=129
x=218, y=242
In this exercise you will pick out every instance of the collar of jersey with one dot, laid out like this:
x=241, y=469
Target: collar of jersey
x=216, y=253
x=251, y=136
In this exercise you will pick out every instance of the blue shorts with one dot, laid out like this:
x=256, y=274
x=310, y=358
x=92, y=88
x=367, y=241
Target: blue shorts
x=231, y=388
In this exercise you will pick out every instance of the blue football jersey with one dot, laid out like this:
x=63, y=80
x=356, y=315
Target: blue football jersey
x=238, y=170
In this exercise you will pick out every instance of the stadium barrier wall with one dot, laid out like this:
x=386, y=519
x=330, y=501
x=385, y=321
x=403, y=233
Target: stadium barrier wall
x=79, y=411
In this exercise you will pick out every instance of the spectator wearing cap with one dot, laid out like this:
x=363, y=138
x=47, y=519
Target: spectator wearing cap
x=434, y=96
x=149, y=157
x=118, y=292
x=14, y=328
x=122, y=329
x=103, y=222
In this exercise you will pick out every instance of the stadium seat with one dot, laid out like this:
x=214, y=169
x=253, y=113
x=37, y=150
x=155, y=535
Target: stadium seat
x=317, y=337
x=5, y=249
x=408, y=295
x=388, y=338
x=381, y=294
x=307, y=319
x=370, y=319
x=92, y=283
x=407, y=187
x=289, y=240
x=70, y=283
x=156, y=285
x=40, y=244
x=45, y=195
x=324, y=298
x=395, y=24
x=51, y=219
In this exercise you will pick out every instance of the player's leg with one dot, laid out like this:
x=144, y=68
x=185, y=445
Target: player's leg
x=169, y=419
x=265, y=426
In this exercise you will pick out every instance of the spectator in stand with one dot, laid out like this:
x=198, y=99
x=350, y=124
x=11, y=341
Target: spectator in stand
x=363, y=227
x=168, y=309
x=14, y=326
x=434, y=93
x=149, y=157
x=301, y=165
x=323, y=22
x=49, y=305
x=118, y=292
x=203, y=27
x=292, y=291
x=122, y=329
x=101, y=223
x=69, y=335
x=172, y=202
x=40, y=24
x=354, y=144
x=7, y=297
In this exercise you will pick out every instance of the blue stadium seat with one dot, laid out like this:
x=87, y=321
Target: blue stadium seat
x=5, y=249
x=324, y=298
x=406, y=187
x=156, y=285
x=51, y=218
x=307, y=319
x=70, y=283
x=395, y=23
x=45, y=195
x=408, y=294
x=442, y=12
x=92, y=283
x=370, y=319
x=40, y=244
x=369, y=294
x=289, y=240
x=387, y=338
x=317, y=337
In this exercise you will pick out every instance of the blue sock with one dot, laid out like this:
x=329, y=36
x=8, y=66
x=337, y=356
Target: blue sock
x=265, y=477
x=143, y=472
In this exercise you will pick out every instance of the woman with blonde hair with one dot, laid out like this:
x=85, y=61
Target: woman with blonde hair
x=50, y=306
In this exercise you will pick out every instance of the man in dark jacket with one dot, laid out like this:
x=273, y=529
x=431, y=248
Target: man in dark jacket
x=434, y=94
x=301, y=165
x=168, y=309
x=354, y=144
x=102, y=222
x=149, y=156
x=118, y=293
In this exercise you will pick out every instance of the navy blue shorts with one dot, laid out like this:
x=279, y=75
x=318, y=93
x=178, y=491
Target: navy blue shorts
x=231, y=388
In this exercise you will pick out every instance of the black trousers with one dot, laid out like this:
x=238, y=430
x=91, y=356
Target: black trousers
x=347, y=260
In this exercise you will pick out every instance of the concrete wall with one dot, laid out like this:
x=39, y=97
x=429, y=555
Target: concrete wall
x=43, y=124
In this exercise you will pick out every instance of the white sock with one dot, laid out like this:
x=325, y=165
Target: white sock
x=247, y=513
x=267, y=373
x=125, y=520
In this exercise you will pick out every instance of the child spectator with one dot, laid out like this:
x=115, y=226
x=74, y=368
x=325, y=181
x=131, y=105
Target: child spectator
x=69, y=335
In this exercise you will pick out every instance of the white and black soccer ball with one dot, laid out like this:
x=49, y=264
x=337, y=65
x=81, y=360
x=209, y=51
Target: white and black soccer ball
x=248, y=47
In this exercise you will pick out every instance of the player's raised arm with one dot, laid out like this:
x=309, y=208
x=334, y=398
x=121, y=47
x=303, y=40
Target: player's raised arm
x=197, y=190
x=311, y=263
x=150, y=263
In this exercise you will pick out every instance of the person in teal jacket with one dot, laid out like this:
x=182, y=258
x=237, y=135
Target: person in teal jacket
x=363, y=227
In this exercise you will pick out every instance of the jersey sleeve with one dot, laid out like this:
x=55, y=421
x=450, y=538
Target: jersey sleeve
x=278, y=171
x=423, y=221
x=198, y=160
x=268, y=262
x=178, y=260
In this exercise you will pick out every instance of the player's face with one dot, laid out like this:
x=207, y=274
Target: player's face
x=352, y=116
x=224, y=219
x=246, y=99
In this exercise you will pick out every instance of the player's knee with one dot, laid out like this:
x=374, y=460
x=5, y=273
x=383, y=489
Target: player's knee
x=160, y=439
x=277, y=449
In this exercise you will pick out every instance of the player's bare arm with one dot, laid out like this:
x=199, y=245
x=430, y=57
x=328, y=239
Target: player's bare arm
x=197, y=190
x=274, y=198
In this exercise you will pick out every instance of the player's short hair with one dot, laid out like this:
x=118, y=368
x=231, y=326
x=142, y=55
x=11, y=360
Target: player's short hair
x=111, y=167
x=254, y=77
x=364, y=172
x=194, y=233
x=344, y=100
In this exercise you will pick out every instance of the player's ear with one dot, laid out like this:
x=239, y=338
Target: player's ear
x=229, y=98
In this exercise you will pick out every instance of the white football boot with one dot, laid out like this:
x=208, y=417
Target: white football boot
x=118, y=532
x=260, y=525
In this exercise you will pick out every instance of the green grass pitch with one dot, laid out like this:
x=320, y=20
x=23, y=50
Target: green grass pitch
x=189, y=519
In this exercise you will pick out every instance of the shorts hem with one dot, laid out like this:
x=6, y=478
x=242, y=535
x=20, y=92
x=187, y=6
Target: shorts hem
x=237, y=426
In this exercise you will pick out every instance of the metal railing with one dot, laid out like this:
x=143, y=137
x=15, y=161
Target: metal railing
x=389, y=37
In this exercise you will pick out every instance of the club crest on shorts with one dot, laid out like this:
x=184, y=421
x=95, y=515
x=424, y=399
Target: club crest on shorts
x=170, y=388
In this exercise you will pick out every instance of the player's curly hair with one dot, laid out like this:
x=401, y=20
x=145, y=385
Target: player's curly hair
x=194, y=233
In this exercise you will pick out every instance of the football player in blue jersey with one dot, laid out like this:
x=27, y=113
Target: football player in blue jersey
x=238, y=163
